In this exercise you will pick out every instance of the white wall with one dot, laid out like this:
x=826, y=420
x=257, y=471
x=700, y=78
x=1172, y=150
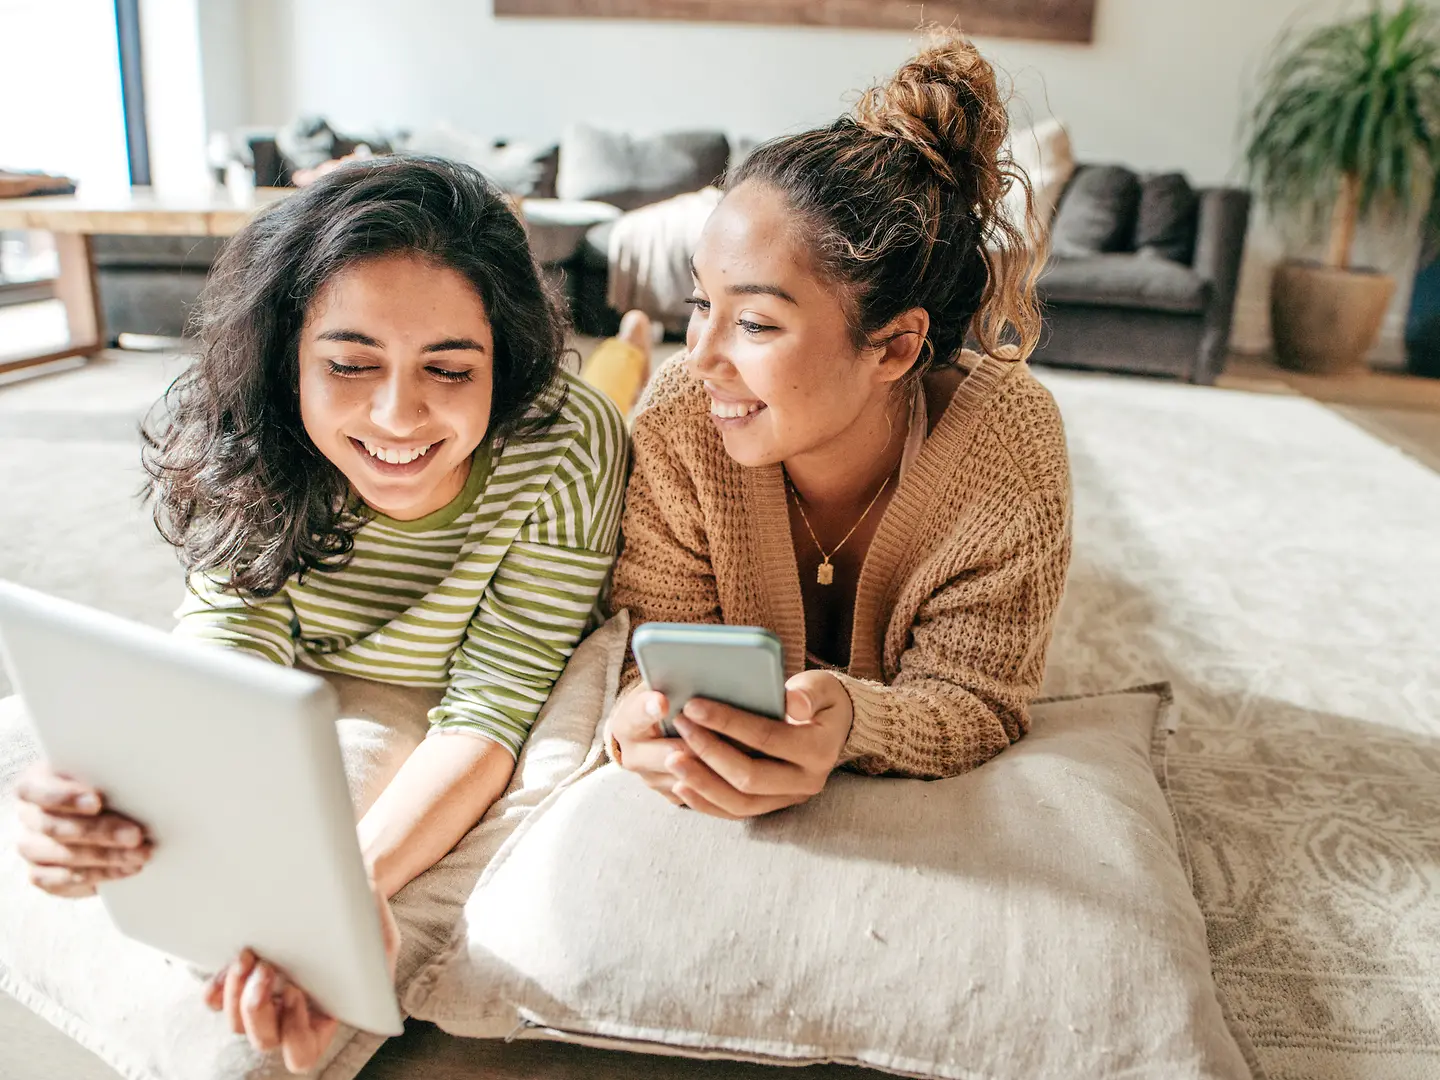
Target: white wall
x=1162, y=87
x=174, y=95
x=223, y=27
x=1159, y=87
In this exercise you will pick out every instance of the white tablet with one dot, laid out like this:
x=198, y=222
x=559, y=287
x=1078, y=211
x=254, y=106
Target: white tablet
x=233, y=765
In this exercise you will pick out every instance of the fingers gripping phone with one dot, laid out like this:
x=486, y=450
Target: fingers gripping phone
x=743, y=666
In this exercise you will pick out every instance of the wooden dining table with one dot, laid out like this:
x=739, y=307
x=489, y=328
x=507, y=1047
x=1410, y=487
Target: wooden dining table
x=139, y=211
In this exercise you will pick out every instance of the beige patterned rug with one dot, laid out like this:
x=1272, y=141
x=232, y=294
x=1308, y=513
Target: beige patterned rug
x=1282, y=568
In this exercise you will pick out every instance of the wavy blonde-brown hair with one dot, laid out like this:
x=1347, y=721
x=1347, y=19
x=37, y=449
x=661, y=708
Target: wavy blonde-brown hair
x=902, y=205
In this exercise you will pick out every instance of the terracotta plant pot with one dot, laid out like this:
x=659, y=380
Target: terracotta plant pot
x=1325, y=320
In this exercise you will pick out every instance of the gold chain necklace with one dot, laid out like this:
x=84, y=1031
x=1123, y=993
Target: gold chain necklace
x=825, y=572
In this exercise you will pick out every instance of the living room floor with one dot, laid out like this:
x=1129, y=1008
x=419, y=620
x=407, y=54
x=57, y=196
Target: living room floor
x=1400, y=409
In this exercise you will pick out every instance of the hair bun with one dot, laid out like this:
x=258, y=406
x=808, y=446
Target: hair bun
x=945, y=103
x=901, y=206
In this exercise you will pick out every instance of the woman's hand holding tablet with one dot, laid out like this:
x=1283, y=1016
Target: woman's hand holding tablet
x=269, y=1009
x=70, y=840
x=73, y=843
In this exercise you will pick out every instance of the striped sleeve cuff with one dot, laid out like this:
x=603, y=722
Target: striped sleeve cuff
x=473, y=731
x=510, y=735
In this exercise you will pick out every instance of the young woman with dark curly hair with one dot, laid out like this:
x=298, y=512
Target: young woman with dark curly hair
x=376, y=468
x=828, y=462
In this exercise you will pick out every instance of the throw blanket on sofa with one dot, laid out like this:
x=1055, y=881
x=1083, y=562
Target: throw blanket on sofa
x=650, y=251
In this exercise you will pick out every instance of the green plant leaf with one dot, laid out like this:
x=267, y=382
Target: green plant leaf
x=1358, y=97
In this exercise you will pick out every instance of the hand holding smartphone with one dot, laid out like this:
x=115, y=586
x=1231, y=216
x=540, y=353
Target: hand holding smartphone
x=741, y=666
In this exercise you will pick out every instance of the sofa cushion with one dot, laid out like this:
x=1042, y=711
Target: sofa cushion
x=630, y=172
x=145, y=300
x=1168, y=216
x=1030, y=919
x=1143, y=281
x=521, y=168
x=141, y=1012
x=1097, y=212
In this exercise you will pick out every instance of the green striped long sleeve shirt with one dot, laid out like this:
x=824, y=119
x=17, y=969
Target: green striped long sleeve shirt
x=487, y=597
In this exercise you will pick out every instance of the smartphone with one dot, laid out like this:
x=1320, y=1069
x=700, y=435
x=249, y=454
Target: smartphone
x=743, y=666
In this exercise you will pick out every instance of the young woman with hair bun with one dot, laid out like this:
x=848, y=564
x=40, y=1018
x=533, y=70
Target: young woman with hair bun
x=827, y=460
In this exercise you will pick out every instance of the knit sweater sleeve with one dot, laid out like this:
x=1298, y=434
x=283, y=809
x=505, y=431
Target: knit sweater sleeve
x=975, y=659
x=664, y=573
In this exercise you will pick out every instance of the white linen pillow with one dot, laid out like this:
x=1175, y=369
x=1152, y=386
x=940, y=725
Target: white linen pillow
x=1045, y=155
x=141, y=1013
x=1029, y=920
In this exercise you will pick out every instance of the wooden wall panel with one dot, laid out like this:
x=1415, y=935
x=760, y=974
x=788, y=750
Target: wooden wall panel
x=1048, y=20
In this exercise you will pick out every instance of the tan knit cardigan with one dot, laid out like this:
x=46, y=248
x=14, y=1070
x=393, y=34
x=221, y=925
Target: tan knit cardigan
x=957, y=593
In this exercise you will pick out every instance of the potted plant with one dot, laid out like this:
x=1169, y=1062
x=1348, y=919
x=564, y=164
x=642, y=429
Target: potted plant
x=1347, y=122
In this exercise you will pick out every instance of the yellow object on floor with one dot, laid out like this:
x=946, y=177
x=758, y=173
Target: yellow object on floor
x=619, y=370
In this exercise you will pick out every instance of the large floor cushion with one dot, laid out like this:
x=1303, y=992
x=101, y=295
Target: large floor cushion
x=1144, y=281
x=1030, y=920
x=141, y=1012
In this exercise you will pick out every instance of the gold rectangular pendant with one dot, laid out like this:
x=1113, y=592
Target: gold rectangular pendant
x=825, y=574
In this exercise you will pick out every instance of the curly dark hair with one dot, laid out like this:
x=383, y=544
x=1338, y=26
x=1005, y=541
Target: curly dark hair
x=902, y=204
x=238, y=486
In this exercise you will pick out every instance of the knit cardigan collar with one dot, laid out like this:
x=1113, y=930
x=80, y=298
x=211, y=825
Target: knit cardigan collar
x=891, y=557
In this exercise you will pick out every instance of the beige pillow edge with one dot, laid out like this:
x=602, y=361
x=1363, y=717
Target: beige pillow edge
x=1045, y=153
x=1160, y=762
x=417, y=992
x=648, y=1041
x=84, y=1034
x=1166, y=724
x=1161, y=690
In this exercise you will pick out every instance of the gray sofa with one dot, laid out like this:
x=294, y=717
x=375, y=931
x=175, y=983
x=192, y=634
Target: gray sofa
x=149, y=285
x=1157, y=308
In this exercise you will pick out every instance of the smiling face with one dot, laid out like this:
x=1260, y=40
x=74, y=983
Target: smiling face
x=770, y=341
x=396, y=376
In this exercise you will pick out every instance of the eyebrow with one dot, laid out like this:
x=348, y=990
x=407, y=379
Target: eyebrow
x=355, y=337
x=751, y=290
x=454, y=344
